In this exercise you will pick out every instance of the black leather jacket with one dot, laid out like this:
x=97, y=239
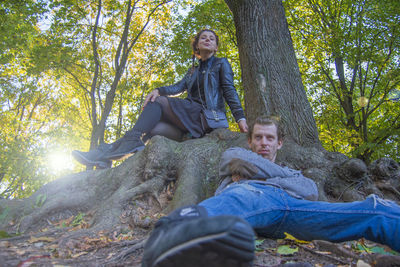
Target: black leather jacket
x=218, y=85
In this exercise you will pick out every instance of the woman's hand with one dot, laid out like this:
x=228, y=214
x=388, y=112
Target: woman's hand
x=151, y=97
x=243, y=126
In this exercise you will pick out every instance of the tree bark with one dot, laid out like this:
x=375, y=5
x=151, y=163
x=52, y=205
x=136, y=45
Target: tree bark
x=270, y=72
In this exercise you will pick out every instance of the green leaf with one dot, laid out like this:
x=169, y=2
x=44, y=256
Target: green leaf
x=258, y=243
x=287, y=250
x=375, y=249
x=4, y=234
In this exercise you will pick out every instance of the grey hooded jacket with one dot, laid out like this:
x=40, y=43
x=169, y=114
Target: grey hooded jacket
x=292, y=181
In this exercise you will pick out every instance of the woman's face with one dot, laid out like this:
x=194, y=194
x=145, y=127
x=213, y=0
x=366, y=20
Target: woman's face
x=207, y=42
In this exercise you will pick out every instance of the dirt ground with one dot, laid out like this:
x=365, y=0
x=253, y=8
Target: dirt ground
x=124, y=248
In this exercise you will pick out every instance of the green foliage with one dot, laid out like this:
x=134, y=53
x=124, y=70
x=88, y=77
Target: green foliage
x=18, y=27
x=348, y=53
x=78, y=219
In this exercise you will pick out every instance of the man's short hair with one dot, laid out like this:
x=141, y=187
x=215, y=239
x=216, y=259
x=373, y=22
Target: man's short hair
x=267, y=120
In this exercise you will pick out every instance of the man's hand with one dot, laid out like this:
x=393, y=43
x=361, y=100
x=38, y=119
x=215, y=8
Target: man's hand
x=241, y=169
x=243, y=126
x=151, y=97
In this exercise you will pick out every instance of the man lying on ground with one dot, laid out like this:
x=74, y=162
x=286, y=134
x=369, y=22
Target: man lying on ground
x=257, y=194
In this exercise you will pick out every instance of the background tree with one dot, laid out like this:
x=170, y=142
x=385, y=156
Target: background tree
x=114, y=29
x=349, y=59
x=32, y=115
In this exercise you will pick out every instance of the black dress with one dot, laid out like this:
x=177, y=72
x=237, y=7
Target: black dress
x=188, y=110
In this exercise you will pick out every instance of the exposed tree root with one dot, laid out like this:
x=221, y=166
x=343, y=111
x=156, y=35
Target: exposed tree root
x=93, y=210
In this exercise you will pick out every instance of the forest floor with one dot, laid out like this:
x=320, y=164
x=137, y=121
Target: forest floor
x=125, y=248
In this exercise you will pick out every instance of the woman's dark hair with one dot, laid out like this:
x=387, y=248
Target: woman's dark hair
x=195, y=42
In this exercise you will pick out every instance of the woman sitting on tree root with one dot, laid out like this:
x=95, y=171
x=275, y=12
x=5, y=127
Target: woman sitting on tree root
x=208, y=86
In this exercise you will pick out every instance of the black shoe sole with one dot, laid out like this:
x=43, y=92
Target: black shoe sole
x=233, y=248
x=84, y=161
x=125, y=154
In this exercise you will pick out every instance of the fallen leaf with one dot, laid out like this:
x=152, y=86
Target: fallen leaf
x=31, y=260
x=361, y=263
x=110, y=255
x=324, y=252
x=4, y=234
x=5, y=244
x=287, y=250
x=258, y=243
x=53, y=246
x=64, y=223
x=39, y=239
x=375, y=249
x=290, y=237
x=20, y=252
x=78, y=254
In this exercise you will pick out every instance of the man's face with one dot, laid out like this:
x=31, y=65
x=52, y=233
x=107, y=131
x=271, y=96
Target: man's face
x=264, y=141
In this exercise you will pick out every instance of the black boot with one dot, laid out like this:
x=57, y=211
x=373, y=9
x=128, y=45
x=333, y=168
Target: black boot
x=128, y=144
x=95, y=157
x=188, y=237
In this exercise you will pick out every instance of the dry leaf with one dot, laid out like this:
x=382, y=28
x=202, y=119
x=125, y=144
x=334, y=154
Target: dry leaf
x=38, y=239
x=78, y=254
x=110, y=255
x=5, y=244
x=361, y=263
x=290, y=237
x=53, y=246
x=20, y=252
x=324, y=252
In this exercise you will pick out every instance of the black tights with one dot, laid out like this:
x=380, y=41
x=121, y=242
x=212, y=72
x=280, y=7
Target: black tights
x=168, y=115
x=157, y=118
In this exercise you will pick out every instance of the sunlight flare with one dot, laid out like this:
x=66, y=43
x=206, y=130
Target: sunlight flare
x=59, y=162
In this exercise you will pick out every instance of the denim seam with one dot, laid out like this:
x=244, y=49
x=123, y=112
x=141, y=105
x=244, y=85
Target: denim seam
x=367, y=212
x=261, y=211
x=286, y=213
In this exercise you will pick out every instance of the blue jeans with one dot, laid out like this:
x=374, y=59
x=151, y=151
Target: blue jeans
x=271, y=212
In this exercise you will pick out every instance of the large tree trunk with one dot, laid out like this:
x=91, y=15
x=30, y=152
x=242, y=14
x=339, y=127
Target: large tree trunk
x=270, y=73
